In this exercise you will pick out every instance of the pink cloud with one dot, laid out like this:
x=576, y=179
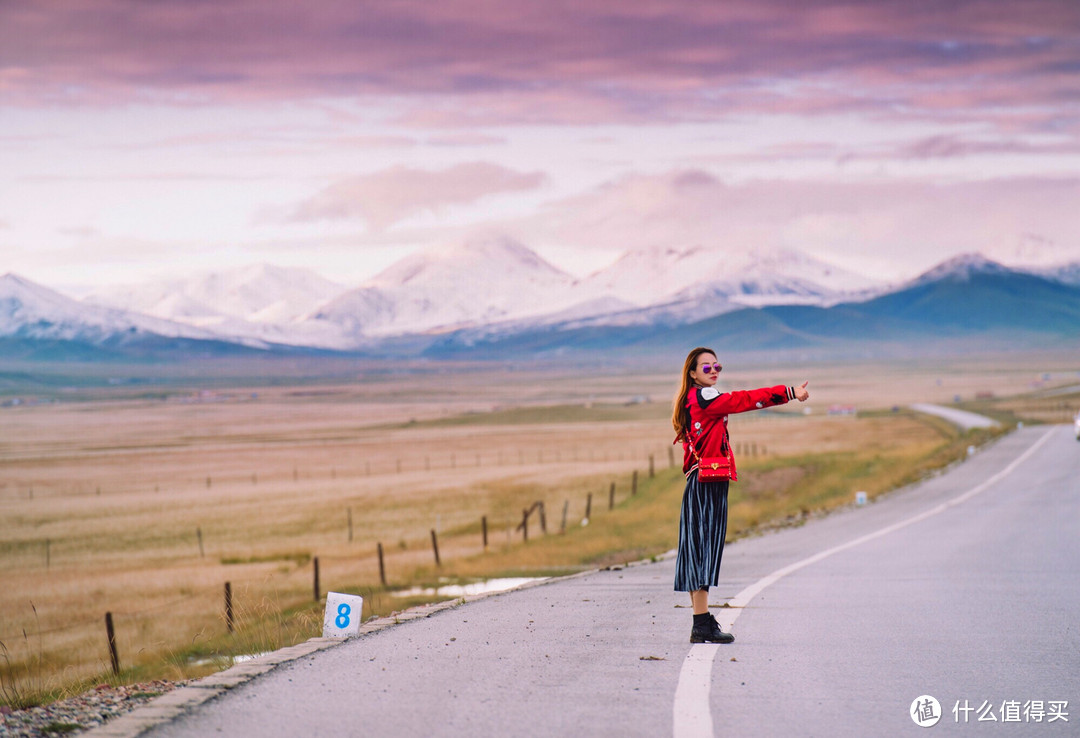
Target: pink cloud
x=376, y=142
x=479, y=61
x=943, y=146
x=386, y=197
x=906, y=222
x=78, y=231
x=468, y=139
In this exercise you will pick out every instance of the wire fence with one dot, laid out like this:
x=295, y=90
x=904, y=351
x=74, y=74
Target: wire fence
x=391, y=562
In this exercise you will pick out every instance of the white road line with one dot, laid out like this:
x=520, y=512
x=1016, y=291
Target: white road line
x=695, y=678
x=692, y=717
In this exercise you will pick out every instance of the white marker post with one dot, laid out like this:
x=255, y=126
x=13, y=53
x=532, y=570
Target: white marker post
x=343, y=615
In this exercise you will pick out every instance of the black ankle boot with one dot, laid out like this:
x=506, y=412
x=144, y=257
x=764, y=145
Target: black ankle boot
x=707, y=630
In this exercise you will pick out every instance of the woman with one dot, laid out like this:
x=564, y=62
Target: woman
x=700, y=419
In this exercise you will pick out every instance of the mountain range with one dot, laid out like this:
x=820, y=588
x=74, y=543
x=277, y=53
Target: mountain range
x=485, y=297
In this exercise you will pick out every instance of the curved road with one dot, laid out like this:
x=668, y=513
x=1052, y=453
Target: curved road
x=962, y=587
x=962, y=418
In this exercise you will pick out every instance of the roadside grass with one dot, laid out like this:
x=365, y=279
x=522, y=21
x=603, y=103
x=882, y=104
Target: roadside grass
x=1036, y=407
x=772, y=492
x=141, y=550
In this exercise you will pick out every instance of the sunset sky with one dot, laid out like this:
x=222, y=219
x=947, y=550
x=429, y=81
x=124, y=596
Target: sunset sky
x=148, y=139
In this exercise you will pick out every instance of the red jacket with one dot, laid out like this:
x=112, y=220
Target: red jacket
x=709, y=409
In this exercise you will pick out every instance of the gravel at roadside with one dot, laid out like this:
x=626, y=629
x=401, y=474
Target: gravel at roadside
x=82, y=712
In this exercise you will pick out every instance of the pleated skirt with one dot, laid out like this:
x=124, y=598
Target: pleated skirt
x=702, y=528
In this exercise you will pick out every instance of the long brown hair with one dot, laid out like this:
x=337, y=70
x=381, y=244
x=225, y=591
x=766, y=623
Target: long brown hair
x=679, y=417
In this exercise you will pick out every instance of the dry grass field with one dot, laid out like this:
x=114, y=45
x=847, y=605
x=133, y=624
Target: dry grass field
x=143, y=503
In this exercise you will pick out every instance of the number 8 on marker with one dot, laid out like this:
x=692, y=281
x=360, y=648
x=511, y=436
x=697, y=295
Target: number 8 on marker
x=343, y=613
x=342, y=619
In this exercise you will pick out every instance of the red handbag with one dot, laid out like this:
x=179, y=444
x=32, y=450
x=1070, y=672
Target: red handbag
x=712, y=468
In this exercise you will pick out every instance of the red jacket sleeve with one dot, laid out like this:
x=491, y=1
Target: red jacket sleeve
x=741, y=401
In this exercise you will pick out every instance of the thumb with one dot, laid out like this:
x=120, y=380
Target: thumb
x=803, y=385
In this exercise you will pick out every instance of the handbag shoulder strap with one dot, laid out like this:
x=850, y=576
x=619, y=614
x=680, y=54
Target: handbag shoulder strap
x=693, y=450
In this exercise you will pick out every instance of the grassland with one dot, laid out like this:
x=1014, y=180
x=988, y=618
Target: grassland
x=142, y=501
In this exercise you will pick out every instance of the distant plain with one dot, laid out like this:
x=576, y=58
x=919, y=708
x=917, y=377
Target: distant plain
x=110, y=476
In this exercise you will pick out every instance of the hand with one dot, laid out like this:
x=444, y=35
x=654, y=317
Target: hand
x=801, y=394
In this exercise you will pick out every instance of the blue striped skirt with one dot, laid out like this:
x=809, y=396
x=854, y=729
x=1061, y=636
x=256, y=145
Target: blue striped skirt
x=702, y=527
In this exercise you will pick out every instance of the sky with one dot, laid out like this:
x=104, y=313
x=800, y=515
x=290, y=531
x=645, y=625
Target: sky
x=143, y=140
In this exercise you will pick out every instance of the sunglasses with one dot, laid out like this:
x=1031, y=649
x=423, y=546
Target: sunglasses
x=709, y=368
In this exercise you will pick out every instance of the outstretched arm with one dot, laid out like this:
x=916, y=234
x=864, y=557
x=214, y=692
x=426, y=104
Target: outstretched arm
x=716, y=404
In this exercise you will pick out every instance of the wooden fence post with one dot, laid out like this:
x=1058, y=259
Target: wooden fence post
x=48, y=553
x=543, y=518
x=525, y=526
x=588, y=506
x=483, y=527
x=350, y=524
x=611, y=497
x=111, y=634
x=229, y=622
x=633, y=483
x=671, y=456
x=198, y=534
x=316, y=578
x=382, y=566
x=565, y=509
x=435, y=546
x=652, y=468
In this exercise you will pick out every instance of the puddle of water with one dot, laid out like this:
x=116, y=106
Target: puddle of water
x=241, y=658
x=238, y=659
x=465, y=590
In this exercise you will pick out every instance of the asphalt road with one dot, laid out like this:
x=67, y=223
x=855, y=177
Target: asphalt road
x=962, y=418
x=963, y=587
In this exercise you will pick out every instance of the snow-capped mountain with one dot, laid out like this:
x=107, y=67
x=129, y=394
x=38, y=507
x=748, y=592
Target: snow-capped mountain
x=259, y=302
x=647, y=276
x=787, y=276
x=476, y=282
x=261, y=294
x=489, y=281
x=668, y=286
x=697, y=283
x=965, y=305
x=1065, y=273
x=28, y=310
x=496, y=292
x=960, y=269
